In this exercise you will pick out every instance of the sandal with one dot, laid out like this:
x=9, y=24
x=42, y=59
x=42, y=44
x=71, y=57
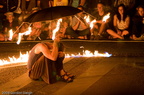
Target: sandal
x=68, y=74
x=71, y=76
x=66, y=78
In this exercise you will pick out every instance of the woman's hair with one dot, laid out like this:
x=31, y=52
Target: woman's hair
x=140, y=6
x=101, y=3
x=124, y=14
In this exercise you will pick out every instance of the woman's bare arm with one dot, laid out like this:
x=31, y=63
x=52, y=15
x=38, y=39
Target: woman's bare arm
x=127, y=22
x=52, y=55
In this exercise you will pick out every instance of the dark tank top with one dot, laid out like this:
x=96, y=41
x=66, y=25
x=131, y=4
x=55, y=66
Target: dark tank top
x=33, y=58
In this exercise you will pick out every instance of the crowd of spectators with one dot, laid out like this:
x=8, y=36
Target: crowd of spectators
x=126, y=20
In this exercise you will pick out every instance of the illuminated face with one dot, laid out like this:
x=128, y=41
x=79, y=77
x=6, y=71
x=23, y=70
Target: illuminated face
x=121, y=10
x=10, y=17
x=100, y=7
x=141, y=11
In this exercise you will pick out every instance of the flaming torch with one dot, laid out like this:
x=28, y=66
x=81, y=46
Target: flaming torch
x=10, y=34
x=92, y=23
x=25, y=33
x=107, y=16
x=56, y=29
x=87, y=18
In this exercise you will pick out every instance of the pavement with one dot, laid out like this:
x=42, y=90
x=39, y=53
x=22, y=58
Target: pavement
x=120, y=74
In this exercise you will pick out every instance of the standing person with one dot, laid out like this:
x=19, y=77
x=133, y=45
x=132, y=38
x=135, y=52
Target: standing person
x=79, y=28
x=46, y=62
x=121, y=24
x=26, y=7
x=60, y=2
x=76, y=3
x=138, y=24
x=42, y=4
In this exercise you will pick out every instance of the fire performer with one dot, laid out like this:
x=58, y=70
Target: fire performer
x=100, y=25
x=79, y=28
x=46, y=62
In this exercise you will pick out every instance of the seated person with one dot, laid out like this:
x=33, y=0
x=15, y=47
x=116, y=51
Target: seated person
x=79, y=26
x=121, y=24
x=138, y=23
x=8, y=24
x=36, y=31
x=100, y=25
x=66, y=21
x=46, y=62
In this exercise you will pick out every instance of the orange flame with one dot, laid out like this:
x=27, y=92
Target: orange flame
x=12, y=60
x=23, y=58
x=87, y=18
x=56, y=29
x=10, y=34
x=25, y=33
x=107, y=16
x=87, y=53
x=92, y=23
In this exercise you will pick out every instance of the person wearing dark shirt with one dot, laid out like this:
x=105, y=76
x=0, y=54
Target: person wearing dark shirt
x=79, y=27
x=26, y=7
x=8, y=24
x=138, y=23
x=100, y=26
x=42, y=4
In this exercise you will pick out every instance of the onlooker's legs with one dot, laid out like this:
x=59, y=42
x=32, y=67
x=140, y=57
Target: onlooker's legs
x=112, y=33
x=84, y=32
x=71, y=32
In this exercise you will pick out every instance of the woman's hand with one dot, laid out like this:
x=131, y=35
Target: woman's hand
x=57, y=39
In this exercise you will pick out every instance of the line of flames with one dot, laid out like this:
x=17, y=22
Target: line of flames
x=23, y=58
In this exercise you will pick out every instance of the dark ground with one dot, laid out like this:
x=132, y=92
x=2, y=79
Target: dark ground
x=123, y=79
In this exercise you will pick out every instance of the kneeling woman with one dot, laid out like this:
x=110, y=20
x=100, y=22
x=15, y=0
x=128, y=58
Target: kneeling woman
x=46, y=62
